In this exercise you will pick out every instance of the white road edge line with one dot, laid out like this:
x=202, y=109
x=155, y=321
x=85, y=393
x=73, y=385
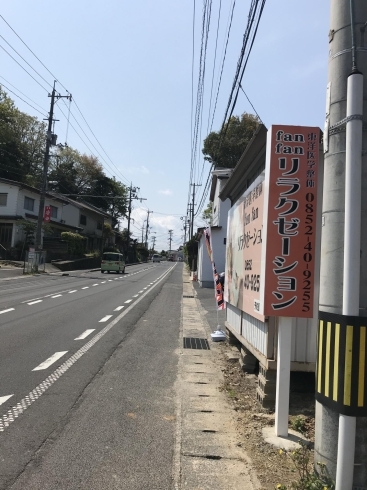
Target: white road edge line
x=6, y=311
x=38, y=391
x=3, y=399
x=85, y=334
x=119, y=308
x=47, y=363
x=34, y=302
x=105, y=318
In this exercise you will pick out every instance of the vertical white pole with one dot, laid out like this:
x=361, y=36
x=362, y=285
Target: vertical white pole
x=352, y=250
x=283, y=376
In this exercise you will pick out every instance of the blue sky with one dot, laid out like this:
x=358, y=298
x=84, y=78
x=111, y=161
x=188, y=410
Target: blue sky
x=128, y=66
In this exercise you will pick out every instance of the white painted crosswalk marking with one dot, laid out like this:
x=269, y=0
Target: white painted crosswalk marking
x=105, y=318
x=85, y=334
x=3, y=399
x=6, y=311
x=119, y=308
x=73, y=291
x=128, y=301
x=34, y=302
x=48, y=362
x=56, y=296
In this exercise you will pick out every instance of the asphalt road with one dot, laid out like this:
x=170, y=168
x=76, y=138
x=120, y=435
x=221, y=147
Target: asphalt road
x=87, y=365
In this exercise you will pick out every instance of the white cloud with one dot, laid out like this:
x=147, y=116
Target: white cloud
x=166, y=192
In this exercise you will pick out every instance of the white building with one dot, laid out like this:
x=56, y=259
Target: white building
x=218, y=229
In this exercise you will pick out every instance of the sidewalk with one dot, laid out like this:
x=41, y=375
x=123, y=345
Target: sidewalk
x=207, y=455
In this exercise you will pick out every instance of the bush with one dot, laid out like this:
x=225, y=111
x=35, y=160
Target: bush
x=76, y=242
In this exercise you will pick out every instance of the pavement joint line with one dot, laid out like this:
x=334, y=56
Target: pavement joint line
x=18, y=409
x=48, y=362
x=7, y=311
x=105, y=318
x=56, y=296
x=34, y=302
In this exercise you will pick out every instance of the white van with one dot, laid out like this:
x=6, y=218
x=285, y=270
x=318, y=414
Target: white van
x=112, y=262
x=156, y=258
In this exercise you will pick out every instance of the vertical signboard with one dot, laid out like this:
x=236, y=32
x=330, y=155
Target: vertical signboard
x=217, y=284
x=291, y=202
x=243, y=249
x=47, y=214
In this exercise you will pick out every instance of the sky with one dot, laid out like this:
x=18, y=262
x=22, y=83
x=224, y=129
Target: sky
x=128, y=66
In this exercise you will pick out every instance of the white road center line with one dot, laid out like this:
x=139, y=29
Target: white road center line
x=141, y=291
x=56, y=296
x=119, y=308
x=86, y=287
x=128, y=301
x=135, y=295
x=19, y=409
x=109, y=280
x=94, y=284
x=50, y=360
x=103, y=282
x=145, y=288
x=73, y=291
x=4, y=398
x=105, y=318
x=85, y=334
x=6, y=311
x=34, y=302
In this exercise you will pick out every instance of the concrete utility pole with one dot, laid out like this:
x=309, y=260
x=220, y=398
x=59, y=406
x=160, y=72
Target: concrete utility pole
x=340, y=440
x=147, y=229
x=153, y=242
x=50, y=141
x=170, y=232
x=132, y=196
x=193, y=208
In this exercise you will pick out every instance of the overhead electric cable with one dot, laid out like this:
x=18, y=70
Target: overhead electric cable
x=9, y=90
x=20, y=56
x=17, y=62
x=17, y=89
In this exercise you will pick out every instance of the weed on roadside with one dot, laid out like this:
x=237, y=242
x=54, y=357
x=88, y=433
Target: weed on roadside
x=308, y=478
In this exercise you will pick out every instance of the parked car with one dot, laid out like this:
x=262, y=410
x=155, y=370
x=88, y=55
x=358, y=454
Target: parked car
x=112, y=262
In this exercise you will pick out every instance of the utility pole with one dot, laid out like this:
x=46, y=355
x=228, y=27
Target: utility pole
x=340, y=439
x=132, y=195
x=153, y=244
x=147, y=229
x=50, y=141
x=189, y=212
x=170, y=232
x=193, y=208
x=184, y=219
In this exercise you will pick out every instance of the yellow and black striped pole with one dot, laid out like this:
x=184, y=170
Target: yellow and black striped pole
x=341, y=364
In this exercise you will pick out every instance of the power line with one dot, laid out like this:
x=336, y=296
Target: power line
x=20, y=56
x=9, y=90
x=17, y=62
x=53, y=76
x=22, y=93
x=251, y=103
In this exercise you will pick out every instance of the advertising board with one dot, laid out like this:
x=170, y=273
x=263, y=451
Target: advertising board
x=243, y=250
x=290, y=205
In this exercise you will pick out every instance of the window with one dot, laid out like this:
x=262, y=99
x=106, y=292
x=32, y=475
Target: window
x=99, y=225
x=83, y=219
x=54, y=212
x=28, y=203
x=3, y=199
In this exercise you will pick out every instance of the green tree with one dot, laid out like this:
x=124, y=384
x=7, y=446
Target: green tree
x=226, y=151
x=207, y=213
x=191, y=251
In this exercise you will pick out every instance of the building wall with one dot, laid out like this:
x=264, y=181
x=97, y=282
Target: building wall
x=220, y=208
x=11, y=208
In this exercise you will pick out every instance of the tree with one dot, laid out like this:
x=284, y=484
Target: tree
x=207, y=213
x=226, y=151
x=191, y=251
